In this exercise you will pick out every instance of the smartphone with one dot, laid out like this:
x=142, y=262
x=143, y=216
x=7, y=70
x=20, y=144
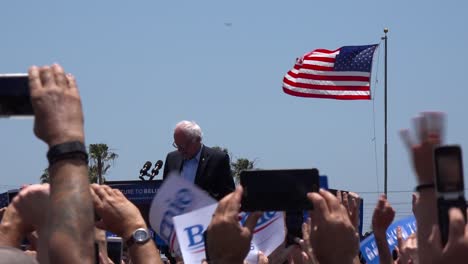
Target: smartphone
x=96, y=252
x=114, y=249
x=278, y=190
x=11, y=195
x=14, y=95
x=293, y=221
x=449, y=185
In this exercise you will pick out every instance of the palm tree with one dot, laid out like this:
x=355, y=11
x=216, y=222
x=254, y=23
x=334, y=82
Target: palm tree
x=45, y=176
x=100, y=161
x=239, y=165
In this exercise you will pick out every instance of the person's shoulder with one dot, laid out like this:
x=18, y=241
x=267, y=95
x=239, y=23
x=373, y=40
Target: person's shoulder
x=214, y=152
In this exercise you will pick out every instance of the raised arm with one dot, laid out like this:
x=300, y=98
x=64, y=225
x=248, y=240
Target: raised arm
x=422, y=155
x=381, y=219
x=59, y=120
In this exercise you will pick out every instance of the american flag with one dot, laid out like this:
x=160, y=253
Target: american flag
x=343, y=73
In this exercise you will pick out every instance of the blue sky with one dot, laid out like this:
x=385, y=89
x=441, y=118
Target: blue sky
x=143, y=66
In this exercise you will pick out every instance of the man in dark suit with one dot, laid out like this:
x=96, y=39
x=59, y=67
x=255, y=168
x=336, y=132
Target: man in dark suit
x=206, y=167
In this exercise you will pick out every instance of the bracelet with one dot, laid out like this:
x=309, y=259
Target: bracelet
x=69, y=150
x=424, y=186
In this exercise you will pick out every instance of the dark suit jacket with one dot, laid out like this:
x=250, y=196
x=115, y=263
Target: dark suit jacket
x=213, y=173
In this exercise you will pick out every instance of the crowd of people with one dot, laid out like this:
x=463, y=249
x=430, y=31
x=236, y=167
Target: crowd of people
x=61, y=220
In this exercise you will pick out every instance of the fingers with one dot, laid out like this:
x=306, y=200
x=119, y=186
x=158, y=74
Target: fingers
x=399, y=237
x=230, y=204
x=71, y=81
x=102, y=191
x=34, y=80
x=96, y=200
x=320, y=207
x=346, y=201
x=456, y=226
x=331, y=200
x=406, y=138
x=420, y=126
x=355, y=201
x=435, y=240
x=381, y=202
x=306, y=229
x=435, y=122
x=339, y=196
x=46, y=76
x=59, y=76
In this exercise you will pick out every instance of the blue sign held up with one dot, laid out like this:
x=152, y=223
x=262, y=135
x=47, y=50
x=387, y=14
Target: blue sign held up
x=369, y=247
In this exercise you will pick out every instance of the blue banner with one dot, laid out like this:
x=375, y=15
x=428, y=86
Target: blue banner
x=369, y=247
x=138, y=192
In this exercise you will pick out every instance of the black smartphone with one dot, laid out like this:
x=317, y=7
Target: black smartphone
x=293, y=221
x=11, y=195
x=278, y=190
x=14, y=95
x=114, y=249
x=449, y=184
x=96, y=252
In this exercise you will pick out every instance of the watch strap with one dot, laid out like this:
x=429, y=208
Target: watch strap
x=68, y=150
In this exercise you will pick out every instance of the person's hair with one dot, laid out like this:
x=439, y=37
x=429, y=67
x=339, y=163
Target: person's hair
x=191, y=129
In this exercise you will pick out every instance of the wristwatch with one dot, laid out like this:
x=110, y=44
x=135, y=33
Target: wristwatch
x=139, y=236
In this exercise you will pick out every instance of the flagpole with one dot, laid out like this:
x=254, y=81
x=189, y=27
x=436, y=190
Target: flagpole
x=385, y=111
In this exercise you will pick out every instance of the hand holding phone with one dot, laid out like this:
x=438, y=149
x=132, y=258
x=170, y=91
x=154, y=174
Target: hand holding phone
x=449, y=185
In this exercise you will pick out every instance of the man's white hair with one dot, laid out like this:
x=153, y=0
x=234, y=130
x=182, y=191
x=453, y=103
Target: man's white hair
x=190, y=128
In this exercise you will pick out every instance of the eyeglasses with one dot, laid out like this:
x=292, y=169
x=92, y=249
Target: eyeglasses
x=180, y=148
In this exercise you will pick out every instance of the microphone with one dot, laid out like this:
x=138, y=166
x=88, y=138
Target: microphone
x=157, y=167
x=146, y=167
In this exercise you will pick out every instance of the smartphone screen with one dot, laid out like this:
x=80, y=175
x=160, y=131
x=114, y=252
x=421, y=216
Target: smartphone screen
x=14, y=95
x=449, y=169
x=278, y=190
x=449, y=185
x=114, y=249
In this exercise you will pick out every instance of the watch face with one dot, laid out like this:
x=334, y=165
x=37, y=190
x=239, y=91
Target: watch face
x=141, y=235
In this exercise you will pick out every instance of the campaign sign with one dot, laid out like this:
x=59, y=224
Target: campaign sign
x=369, y=247
x=176, y=196
x=269, y=233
